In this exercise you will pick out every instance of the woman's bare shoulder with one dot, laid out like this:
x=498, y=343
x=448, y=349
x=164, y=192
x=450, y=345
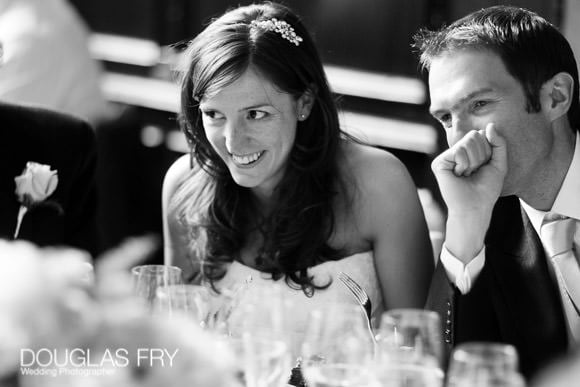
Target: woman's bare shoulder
x=383, y=188
x=374, y=168
x=177, y=174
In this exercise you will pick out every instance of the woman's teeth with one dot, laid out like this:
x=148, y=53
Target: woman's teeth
x=246, y=159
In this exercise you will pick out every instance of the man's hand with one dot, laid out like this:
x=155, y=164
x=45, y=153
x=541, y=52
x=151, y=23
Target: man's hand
x=470, y=175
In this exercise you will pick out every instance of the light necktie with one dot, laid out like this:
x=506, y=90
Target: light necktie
x=558, y=238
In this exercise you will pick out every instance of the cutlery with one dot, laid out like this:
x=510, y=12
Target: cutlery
x=361, y=297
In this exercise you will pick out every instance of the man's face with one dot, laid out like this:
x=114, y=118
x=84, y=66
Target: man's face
x=471, y=88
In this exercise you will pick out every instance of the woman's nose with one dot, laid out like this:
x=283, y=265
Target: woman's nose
x=234, y=134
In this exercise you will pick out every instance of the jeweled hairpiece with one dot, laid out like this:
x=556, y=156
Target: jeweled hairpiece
x=279, y=26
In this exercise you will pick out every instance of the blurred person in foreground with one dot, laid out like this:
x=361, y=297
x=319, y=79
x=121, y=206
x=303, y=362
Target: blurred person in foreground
x=504, y=85
x=46, y=61
x=273, y=190
x=93, y=328
x=47, y=178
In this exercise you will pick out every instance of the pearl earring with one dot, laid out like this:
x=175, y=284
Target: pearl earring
x=302, y=117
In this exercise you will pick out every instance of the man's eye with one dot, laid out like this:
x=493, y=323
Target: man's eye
x=445, y=119
x=256, y=114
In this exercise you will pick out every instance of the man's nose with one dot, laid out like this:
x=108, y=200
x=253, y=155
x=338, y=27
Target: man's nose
x=459, y=128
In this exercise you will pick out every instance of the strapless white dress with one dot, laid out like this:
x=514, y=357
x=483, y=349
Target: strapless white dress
x=359, y=266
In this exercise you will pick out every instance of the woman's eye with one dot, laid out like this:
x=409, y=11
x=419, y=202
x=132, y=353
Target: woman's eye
x=256, y=114
x=212, y=114
x=479, y=104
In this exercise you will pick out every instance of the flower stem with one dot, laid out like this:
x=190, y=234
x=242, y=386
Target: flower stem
x=21, y=213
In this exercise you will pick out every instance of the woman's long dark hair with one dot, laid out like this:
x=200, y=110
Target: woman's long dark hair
x=214, y=209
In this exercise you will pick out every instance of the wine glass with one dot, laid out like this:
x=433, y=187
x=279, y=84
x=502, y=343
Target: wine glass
x=148, y=278
x=187, y=300
x=409, y=349
x=481, y=364
x=337, y=350
x=258, y=310
x=262, y=362
x=253, y=315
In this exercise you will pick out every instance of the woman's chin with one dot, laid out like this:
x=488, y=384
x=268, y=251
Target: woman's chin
x=244, y=181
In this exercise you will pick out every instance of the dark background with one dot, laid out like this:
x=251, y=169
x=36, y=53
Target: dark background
x=369, y=34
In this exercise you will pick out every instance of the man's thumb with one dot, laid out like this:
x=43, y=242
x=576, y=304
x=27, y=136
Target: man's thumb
x=498, y=145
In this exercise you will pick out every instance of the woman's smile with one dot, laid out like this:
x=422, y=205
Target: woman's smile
x=247, y=160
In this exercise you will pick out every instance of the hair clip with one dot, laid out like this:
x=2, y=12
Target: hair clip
x=279, y=26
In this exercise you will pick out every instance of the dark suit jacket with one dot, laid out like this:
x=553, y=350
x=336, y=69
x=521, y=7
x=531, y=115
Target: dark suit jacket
x=514, y=300
x=67, y=145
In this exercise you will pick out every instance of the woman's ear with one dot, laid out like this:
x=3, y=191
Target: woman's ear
x=556, y=95
x=304, y=104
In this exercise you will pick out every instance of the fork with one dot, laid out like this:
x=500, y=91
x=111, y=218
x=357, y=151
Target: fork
x=361, y=296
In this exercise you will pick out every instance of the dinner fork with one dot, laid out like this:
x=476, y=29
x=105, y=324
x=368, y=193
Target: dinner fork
x=361, y=296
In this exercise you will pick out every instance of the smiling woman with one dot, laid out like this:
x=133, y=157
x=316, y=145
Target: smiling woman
x=252, y=126
x=273, y=189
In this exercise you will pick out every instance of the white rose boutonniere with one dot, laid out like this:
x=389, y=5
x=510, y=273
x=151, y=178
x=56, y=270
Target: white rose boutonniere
x=36, y=183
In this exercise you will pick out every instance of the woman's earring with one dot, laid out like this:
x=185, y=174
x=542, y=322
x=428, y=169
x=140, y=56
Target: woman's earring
x=302, y=117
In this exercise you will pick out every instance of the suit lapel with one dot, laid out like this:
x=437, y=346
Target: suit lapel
x=526, y=298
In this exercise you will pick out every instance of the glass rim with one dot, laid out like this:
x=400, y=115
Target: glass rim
x=273, y=345
x=182, y=289
x=410, y=311
x=486, y=346
x=155, y=269
x=469, y=351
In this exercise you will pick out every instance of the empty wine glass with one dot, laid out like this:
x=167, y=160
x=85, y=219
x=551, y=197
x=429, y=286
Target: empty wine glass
x=480, y=364
x=191, y=301
x=262, y=362
x=259, y=310
x=409, y=349
x=337, y=349
x=148, y=278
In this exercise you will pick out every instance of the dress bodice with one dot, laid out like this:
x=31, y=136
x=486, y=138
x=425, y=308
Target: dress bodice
x=358, y=266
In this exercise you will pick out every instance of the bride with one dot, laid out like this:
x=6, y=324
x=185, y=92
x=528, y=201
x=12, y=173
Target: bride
x=273, y=189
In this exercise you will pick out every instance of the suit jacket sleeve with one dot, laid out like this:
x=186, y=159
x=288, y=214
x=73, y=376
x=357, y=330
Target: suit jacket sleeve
x=81, y=225
x=441, y=299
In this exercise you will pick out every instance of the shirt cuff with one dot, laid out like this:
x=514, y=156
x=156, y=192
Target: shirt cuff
x=463, y=276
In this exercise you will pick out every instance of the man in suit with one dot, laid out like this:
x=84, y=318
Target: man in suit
x=65, y=145
x=503, y=84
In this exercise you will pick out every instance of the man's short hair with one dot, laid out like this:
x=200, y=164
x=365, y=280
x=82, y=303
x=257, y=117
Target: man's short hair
x=531, y=48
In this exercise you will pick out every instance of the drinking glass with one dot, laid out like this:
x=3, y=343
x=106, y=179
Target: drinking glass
x=191, y=301
x=337, y=350
x=262, y=362
x=409, y=349
x=148, y=278
x=259, y=310
x=481, y=364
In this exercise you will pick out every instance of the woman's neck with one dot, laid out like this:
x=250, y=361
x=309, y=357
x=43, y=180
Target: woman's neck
x=264, y=202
